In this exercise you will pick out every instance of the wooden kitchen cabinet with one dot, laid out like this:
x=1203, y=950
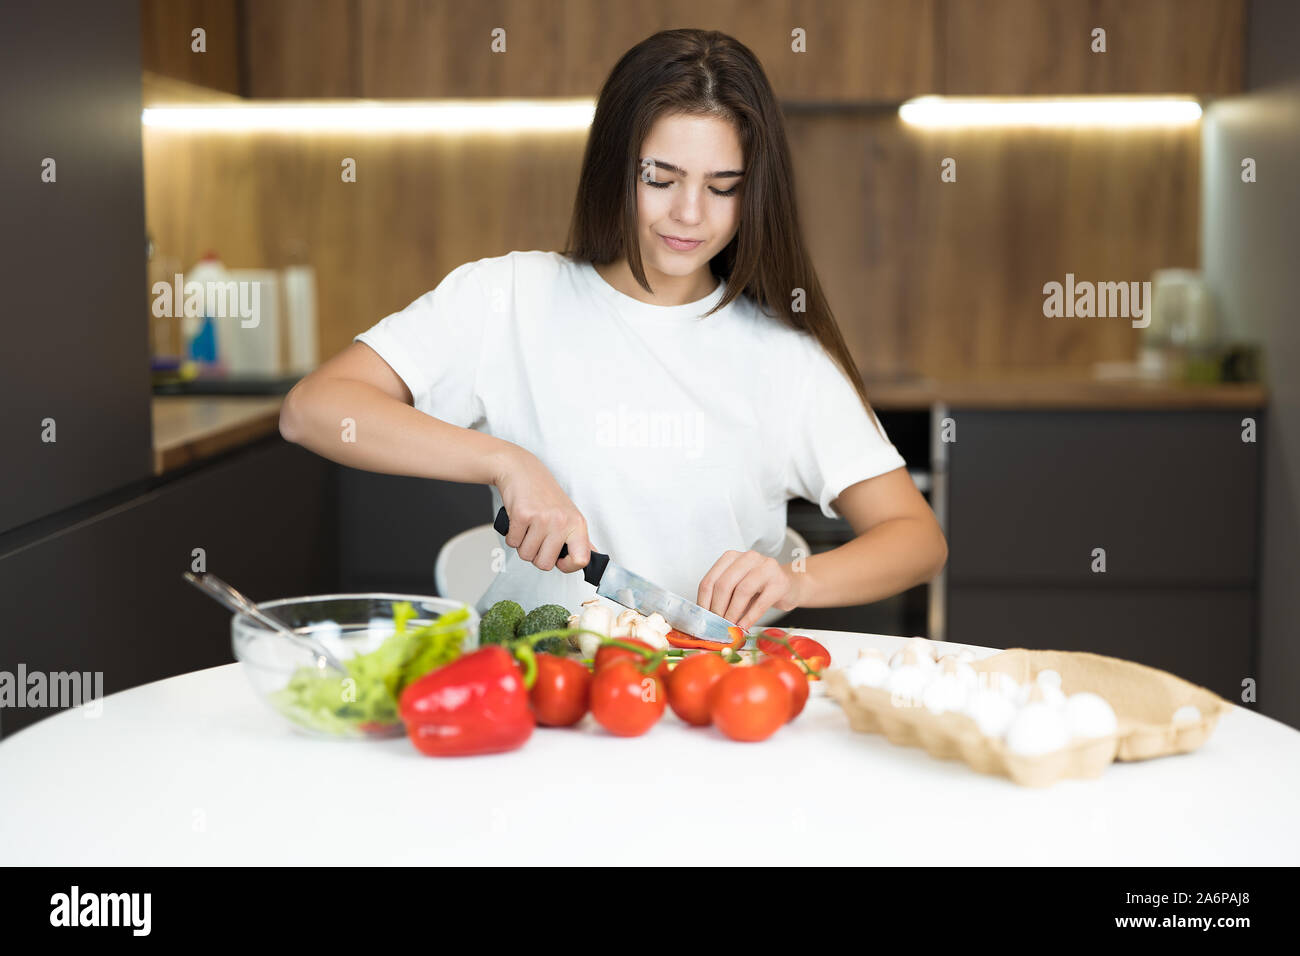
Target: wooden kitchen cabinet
x=166, y=41
x=1172, y=499
x=105, y=593
x=1037, y=47
x=302, y=49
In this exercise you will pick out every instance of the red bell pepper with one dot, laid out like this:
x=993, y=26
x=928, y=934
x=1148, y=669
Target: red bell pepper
x=477, y=704
x=682, y=639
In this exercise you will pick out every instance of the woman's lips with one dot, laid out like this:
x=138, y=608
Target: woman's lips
x=680, y=245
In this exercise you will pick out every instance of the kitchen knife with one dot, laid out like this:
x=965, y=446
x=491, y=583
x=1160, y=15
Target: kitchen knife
x=621, y=586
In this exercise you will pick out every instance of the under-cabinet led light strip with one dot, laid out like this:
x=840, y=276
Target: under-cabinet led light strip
x=1112, y=111
x=511, y=116
x=444, y=116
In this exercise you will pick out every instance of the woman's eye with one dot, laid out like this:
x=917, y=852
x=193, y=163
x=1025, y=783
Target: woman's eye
x=717, y=192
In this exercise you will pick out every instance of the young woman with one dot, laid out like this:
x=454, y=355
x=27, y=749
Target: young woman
x=660, y=389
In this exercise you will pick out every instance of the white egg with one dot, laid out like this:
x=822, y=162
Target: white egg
x=907, y=657
x=1052, y=694
x=991, y=712
x=969, y=677
x=1004, y=684
x=1037, y=728
x=1187, y=714
x=868, y=672
x=943, y=694
x=906, y=684
x=924, y=648
x=1089, y=715
x=1048, y=678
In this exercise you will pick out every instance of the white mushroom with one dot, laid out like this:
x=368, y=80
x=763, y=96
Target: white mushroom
x=653, y=630
x=596, y=617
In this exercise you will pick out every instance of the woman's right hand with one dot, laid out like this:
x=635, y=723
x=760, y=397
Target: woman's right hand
x=542, y=518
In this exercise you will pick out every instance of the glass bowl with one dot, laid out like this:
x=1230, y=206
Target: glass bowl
x=323, y=704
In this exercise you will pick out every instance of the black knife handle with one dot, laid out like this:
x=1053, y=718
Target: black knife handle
x=595, y=568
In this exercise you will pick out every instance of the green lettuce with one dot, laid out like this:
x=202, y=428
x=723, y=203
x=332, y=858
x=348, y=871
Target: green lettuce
x=364, y=700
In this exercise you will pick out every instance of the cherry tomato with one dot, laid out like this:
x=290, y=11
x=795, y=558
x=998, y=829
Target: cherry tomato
x=815, y=656
x=626, y=702
x=689, y=685
x=792, y=676
x=771, y=647
x=608, y=653
x=749, y=703
x=559, y=695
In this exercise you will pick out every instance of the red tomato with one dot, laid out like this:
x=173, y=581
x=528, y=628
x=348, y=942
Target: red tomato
x=815, y=656
x=750, y=703
x=626, y=702
x=559, y=695
x=608, y=653
x=771, y=647
x=689, y=685
x=793, y=677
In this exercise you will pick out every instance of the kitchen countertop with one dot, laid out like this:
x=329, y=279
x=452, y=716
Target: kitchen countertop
x=195, y=770
x=1054, y=389
x=189, y=428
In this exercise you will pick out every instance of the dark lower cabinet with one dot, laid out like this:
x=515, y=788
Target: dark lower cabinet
x=105, y=593
x=1204, y=635
x=391, y=527
x=1171, y=498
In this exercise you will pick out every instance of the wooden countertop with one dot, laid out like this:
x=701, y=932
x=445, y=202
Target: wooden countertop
x=188, y=428
x=1060, y=390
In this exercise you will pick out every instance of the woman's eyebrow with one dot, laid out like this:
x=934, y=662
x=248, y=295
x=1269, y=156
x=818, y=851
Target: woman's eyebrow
x=669, y=167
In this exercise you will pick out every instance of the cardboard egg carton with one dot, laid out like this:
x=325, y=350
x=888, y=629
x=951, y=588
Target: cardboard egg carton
x=1143, y=698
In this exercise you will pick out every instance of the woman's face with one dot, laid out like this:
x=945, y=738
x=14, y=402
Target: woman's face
x=689, y=188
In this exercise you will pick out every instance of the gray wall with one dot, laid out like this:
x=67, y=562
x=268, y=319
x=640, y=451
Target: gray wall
x=1250, y=247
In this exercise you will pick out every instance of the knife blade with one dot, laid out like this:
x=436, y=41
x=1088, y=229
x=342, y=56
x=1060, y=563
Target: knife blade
x=629, y=589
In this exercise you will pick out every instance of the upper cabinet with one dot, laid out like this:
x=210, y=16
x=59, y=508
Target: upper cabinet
x=301, y=49
x=170, y=46
x=814, y=51
x=1023, y=47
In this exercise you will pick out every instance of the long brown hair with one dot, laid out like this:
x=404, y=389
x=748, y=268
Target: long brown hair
x=704, y=72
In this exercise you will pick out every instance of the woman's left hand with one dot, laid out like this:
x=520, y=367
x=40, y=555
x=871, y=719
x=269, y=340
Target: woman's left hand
x=742, y=585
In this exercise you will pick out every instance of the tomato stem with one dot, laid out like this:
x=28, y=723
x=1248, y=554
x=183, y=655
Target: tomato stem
x=524, y=653
x=799, y=657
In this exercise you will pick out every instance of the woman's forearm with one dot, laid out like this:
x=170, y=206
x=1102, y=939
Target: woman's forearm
x=888, y=559
x=358, y=425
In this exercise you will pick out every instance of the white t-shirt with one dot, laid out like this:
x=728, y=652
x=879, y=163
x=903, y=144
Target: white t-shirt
x=678, y=437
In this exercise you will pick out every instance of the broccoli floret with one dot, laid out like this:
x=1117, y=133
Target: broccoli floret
x=548, y=617
x=500, y=622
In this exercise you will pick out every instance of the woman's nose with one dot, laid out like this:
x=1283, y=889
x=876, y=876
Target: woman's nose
x=687, y=207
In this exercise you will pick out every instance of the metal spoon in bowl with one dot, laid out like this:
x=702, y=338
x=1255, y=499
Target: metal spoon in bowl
x=222, y=592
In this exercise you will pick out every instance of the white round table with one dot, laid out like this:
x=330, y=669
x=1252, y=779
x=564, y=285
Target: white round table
x=194, y=770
